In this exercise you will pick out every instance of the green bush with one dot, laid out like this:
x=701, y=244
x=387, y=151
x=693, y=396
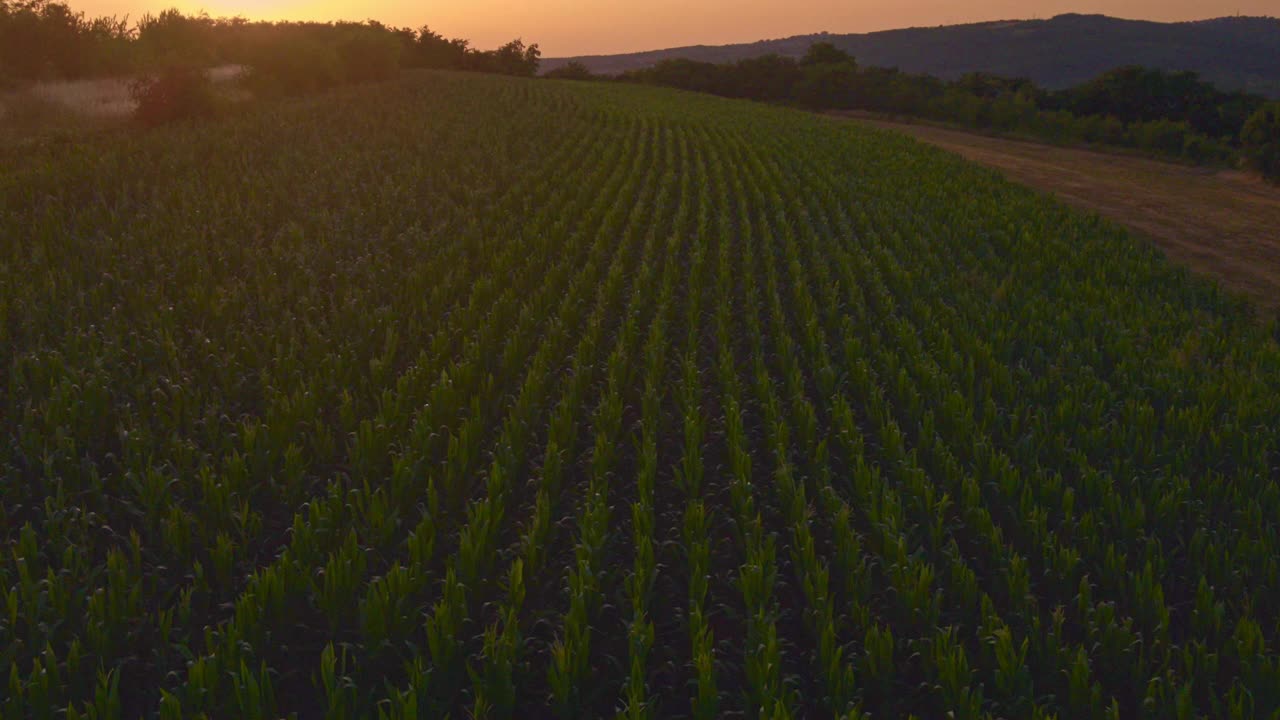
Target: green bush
x=1102, y=129
x=1203, y=149
x=1058, y=126
x=176, y=94
x=1261, y=141
x=1160, y=136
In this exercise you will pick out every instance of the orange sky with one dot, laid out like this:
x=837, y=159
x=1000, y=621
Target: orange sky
x=574, y=27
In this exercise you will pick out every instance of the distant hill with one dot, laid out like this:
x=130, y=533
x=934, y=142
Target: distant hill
x=1234, y=53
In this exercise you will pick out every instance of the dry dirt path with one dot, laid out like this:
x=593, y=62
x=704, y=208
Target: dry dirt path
x=1225, y=224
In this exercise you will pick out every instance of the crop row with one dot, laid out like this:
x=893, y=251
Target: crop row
x=480, y=396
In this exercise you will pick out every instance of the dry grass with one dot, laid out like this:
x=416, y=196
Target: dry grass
x=69, y=107
x=31, y=116
x=107, y=98
x=1223, y=223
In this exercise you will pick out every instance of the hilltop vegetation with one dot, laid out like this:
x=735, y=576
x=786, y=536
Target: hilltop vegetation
x=473, y=394
x=42, y=40
x=1234, y=53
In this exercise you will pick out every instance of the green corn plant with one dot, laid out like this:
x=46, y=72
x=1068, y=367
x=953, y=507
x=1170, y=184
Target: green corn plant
x=1013, y=677
x=337, y=686
x=254, y=693
x=568, y=668
x=706, y=701
x=170, y=706
x=105, y=704
x=640, y=637
x=339, y=582
x=385, y=613
x=879, y=667
x=495, y=683
x=402, y=705
x=443, y=629
x=495, y=693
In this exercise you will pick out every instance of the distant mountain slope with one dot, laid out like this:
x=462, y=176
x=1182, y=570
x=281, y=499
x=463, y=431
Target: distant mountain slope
x=1233, y=53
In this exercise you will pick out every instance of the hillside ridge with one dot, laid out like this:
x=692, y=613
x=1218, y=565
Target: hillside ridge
x=1235, y=53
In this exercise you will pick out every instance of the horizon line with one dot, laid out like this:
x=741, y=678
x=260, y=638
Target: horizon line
x=1237, y=16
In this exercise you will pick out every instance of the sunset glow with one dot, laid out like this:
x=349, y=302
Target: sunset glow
x=575, y=27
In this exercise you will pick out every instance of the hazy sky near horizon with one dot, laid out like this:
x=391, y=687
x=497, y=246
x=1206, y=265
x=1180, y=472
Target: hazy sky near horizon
x=579, y=27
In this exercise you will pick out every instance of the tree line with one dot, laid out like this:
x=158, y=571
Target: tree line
x=1171, y=114
x=44, y=40
x=1166, y=113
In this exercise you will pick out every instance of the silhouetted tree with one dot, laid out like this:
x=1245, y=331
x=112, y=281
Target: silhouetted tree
x=174, y=39
x=827, y=85
x=824, y=53
x=515, y=58
x=768, y=77
x=42, y=39
x=433, y=50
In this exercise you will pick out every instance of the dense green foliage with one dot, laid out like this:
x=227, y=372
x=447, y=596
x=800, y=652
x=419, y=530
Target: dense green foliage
x=1262, y=141
x=470, y=393
x=1136, y=95
x=1171, y=114
x=39, y=39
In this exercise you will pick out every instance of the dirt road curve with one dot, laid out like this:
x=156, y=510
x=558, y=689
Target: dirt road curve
x=1223, y=223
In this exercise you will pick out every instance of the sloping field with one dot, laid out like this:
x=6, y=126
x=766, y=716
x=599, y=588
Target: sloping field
x=1221, y=223
x=515, y=398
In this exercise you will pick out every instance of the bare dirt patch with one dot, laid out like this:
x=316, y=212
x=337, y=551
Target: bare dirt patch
x=1223, y=223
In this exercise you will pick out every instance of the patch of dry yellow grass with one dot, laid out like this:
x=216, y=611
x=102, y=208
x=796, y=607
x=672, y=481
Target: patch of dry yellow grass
x=54, y=105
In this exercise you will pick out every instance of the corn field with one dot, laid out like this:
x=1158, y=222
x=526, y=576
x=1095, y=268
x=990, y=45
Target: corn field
x=492, y=398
